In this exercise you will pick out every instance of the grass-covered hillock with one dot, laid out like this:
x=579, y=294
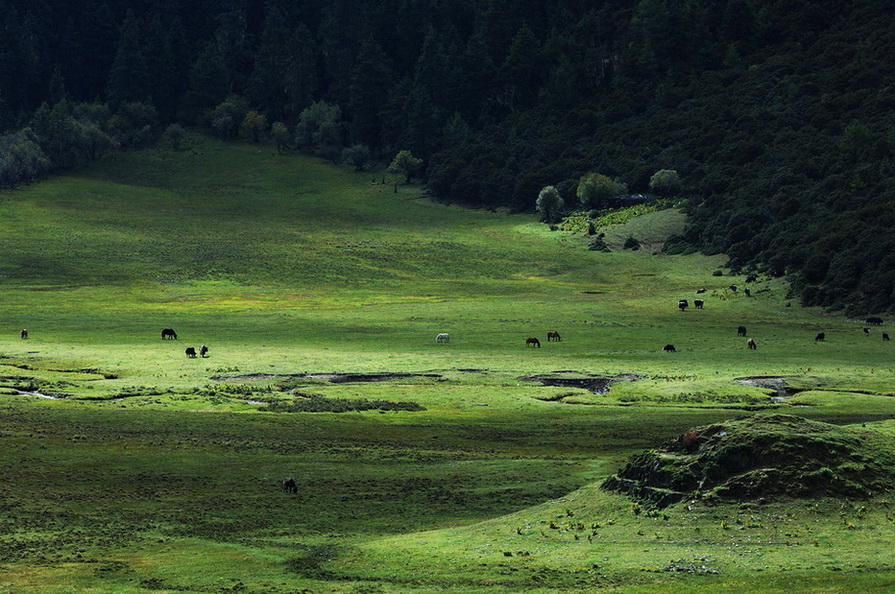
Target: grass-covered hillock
x=766, y=455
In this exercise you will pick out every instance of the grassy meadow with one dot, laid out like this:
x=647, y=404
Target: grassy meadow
x=127, y=467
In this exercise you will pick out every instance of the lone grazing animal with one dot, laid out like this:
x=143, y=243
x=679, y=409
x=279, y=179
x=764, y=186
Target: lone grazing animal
x=190, y=352
x=531, y=340
x=24, y=334
x=698, y=303
x=289, y=485
x=169, y=333
x=866, y=331
x=553, y=336
x=443, y=337
x=820, y=336
x=203, y=351
x=683, y=304
x=751, y=344
x=741, y=331
x=885, y=336
x=669, y=348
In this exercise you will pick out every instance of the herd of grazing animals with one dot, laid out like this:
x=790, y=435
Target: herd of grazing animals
x=682, y=305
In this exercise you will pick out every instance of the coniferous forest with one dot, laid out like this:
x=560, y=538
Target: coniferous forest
x=777, y=115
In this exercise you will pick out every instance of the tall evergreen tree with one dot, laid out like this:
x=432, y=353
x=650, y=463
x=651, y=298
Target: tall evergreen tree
x=207, y=85
x=370, y=83
x=129, y=75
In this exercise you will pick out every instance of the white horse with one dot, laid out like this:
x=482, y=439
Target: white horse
x=443, y=337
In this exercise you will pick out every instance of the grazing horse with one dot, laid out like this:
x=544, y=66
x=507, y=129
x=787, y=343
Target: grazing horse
x=532, y=341
x=553, y=336
x=289, y=485
x=885, y=336
x=169, y=333
x=190, y=352
x=820, y=336
x=24, y=334
x=698, y=303
x=443, y=337
x=683, y=304
x=751, y=344
x=669, y=348
x=203, y=351
x=741, y=331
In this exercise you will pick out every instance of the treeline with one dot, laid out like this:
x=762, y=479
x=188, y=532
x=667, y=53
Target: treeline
x=776, y=114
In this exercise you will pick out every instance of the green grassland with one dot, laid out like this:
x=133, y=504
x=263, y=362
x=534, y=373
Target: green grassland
x=127, y=467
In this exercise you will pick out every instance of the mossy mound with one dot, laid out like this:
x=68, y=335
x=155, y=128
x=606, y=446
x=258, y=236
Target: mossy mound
x=761, y=456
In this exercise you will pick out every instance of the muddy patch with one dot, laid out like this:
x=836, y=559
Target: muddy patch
x=41, y=395
x=768, y=382
x=595, y=384
x=334, y=378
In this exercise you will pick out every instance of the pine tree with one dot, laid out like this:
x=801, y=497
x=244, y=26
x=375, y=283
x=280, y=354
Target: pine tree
x=370, y=83
x=129, y=75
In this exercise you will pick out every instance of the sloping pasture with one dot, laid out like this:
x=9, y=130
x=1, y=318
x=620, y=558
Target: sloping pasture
x=127, y=466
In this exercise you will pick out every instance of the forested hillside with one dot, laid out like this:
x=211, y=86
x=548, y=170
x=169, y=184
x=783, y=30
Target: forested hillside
x=776, y=114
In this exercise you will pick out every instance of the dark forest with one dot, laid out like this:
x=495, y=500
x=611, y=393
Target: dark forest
x=778, y=115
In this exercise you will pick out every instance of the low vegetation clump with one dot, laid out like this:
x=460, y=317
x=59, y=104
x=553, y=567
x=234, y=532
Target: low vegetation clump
x=316, y=403
x=761, y=456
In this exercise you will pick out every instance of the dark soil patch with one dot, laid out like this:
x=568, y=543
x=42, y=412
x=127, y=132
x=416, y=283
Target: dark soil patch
x=350, y=378
x=595, y=384
x=335, y=378
x=768, y=455
x=248, y=377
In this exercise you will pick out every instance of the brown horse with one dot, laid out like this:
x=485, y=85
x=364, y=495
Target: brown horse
x=553, y=336
x=532, y=341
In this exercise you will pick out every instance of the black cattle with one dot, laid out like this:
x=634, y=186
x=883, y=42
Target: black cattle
x=24, y=334
x=866, y=331
x=169, y=333
x=669, y=348
x=683, y=304
x=748, y=292
x=733, y=288
x=289, y=485
x=741, y=331
x=203, y=351
x=820, y=336
x=874, y=321
x=885, y=336
x=190, y=352
x=700, y=291
x=751, y=344
x=698, y=303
